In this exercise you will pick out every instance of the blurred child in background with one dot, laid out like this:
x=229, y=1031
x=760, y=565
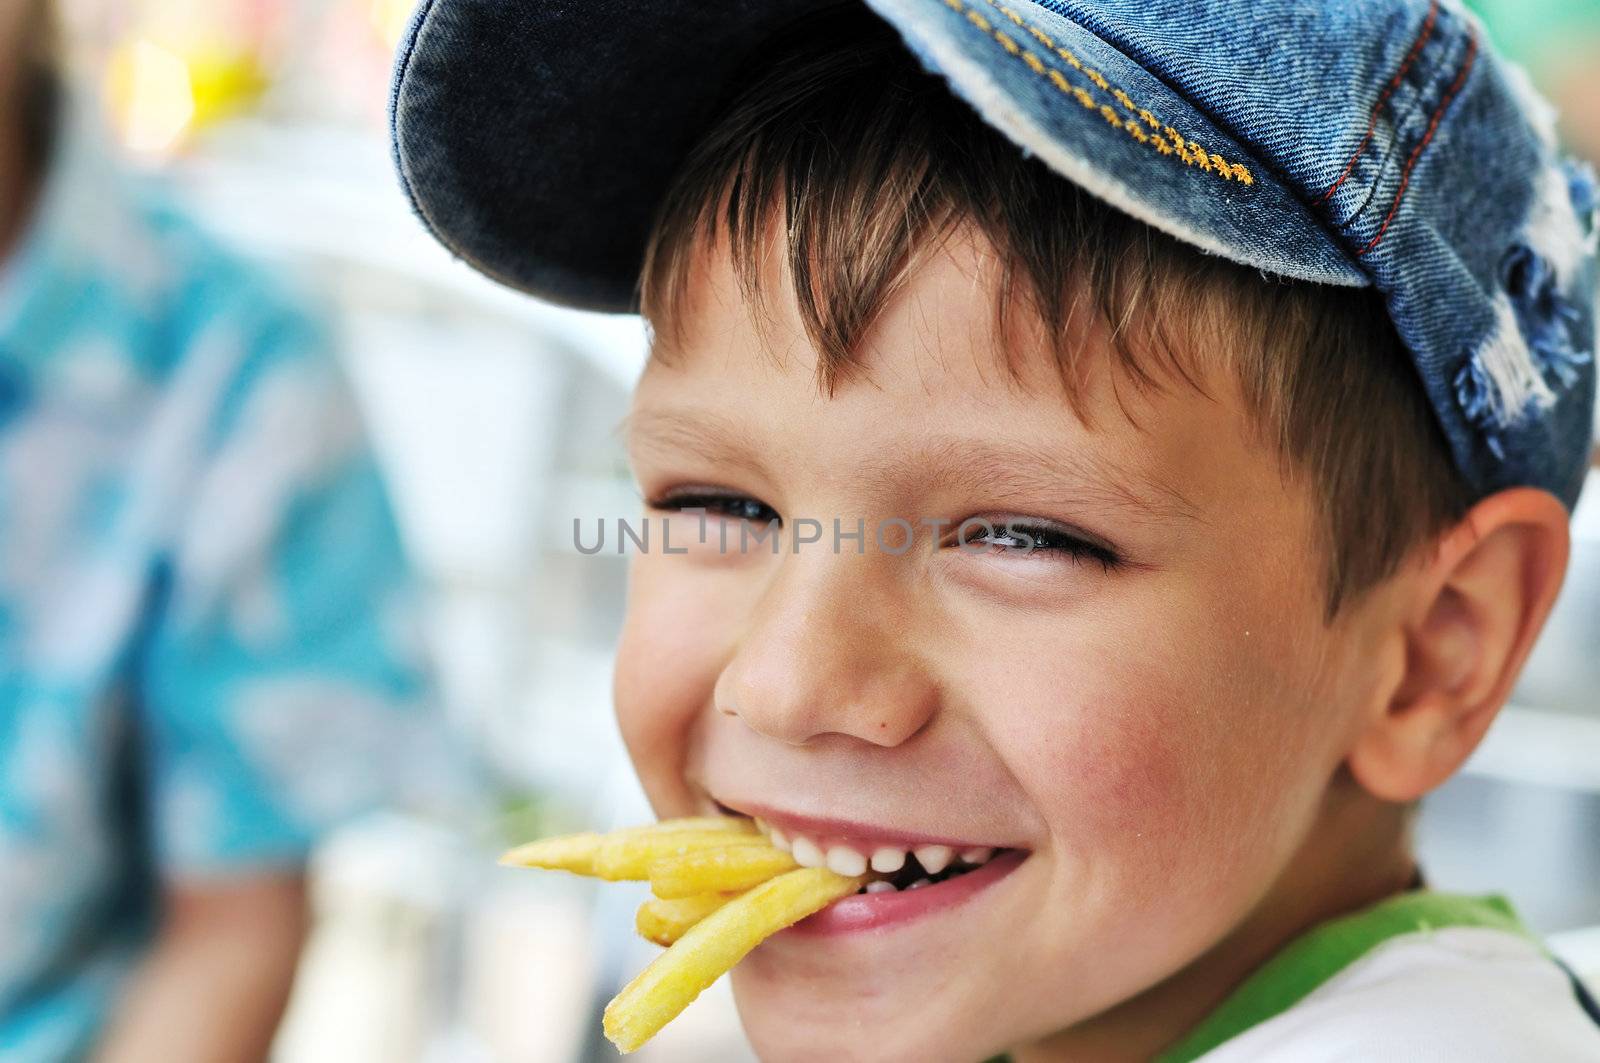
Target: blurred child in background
x=204, y=609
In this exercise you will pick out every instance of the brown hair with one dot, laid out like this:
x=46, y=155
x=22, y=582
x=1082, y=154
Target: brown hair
x=871, y=161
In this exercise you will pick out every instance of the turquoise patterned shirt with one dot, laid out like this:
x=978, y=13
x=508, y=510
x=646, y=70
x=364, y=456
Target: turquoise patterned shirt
x=209, y=641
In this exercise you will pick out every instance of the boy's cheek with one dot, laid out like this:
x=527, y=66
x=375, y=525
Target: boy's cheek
x=668, y=660
x=1167, y=757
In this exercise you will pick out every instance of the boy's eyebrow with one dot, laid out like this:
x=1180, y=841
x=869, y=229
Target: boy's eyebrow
x=1002, y=469
x=705, y=433
x=985, y=465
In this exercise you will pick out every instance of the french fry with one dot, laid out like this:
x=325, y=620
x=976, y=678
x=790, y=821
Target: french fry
x=664, y=922
x=577, y=852
x=730, y=868
x=629, y=858
x=571, y=852
x=713, y=945
x=731, y=824
x=697, y=866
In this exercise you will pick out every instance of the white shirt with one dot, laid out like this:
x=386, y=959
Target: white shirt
x=1456, y=995
x=1421, y=977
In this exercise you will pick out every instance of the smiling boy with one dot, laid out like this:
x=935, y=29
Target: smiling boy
x=1235, y=402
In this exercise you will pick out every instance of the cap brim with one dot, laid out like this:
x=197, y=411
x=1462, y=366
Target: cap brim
x=536, y=139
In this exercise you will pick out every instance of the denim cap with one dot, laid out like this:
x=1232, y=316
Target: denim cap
x=1376, y=143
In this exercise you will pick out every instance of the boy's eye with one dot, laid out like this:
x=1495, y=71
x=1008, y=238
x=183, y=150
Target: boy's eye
x=734, y=506
x=1037, y=539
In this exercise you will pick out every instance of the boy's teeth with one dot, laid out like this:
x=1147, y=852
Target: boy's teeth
x=921, y=882
x=888, y=860
x=843, y=860
x=880, y=887
x=806, y=853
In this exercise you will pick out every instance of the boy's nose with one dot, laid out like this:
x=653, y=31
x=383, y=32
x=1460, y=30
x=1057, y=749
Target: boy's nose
x=828, y=651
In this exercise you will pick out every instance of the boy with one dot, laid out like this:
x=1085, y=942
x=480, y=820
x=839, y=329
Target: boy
x=1171, y=412
x=202, y=594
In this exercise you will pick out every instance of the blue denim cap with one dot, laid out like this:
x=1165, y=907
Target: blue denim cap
x=1375, y=143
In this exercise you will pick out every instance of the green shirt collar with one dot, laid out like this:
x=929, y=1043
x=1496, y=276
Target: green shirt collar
x=1322, y=952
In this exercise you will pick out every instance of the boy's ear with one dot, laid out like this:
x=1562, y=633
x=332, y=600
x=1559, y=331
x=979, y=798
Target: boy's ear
x=1468, y=628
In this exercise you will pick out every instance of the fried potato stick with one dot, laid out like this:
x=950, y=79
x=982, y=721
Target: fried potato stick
x=664, y=922
x=630, y=859
x=713, y=945
x=578, y=853
x=730, y=868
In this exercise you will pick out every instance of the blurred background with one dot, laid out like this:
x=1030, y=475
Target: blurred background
x=494, y=421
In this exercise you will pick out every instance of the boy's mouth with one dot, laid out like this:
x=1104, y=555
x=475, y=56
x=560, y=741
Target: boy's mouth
x=900, y=861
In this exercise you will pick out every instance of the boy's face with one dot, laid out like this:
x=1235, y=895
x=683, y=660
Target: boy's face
x=1156, y=733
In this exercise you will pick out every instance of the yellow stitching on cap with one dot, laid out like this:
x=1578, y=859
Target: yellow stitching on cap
x=1191, y=153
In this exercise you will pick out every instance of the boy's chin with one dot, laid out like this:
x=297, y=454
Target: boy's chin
x=790, y=1015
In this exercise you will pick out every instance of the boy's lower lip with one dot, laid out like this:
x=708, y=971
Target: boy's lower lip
x=876, y=911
